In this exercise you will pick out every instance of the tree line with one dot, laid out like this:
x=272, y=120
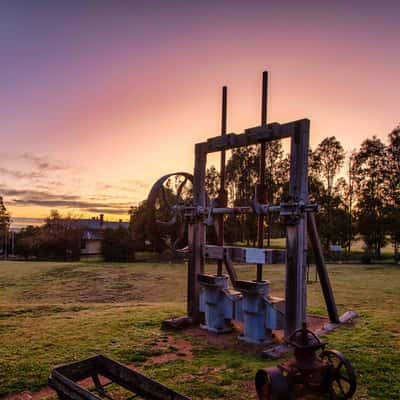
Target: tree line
x=359, y=196
x=359, y=193
x=60, y=238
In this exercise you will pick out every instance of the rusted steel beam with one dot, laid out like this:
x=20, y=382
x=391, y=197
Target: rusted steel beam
x=321, y=269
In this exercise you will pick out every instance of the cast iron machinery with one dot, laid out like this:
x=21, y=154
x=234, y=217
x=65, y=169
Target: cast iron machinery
x=327, y=373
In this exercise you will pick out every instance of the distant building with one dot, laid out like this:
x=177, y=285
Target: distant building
x=92, y=233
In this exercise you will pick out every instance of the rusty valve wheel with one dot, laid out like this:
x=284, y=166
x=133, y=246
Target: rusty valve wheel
x=340, y=380
x=271, y=384
x=304, y=336
x=165, y=201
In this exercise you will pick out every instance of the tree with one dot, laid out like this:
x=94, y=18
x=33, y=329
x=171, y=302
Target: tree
x=241, y=175
x=241, y=178
x=328, y=157
x=117, y=245
x=325, y=163
x=277, y=168
x=139, y=225
x=370, y=181
x=212, y=182
x=4, y=226
x=340, y=215
x=392, y=188
x=349, y=197
x=59, y=238
x=27, y=241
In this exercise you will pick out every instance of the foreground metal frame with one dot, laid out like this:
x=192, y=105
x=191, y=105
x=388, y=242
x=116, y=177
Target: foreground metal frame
x=65, y=381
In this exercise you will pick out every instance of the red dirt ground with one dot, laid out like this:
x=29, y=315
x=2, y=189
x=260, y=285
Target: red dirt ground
x=230, y=340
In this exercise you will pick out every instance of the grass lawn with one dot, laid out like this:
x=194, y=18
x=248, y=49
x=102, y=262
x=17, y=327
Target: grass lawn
x=52, y=313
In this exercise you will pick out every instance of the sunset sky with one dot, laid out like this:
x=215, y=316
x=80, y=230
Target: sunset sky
x=100, y=98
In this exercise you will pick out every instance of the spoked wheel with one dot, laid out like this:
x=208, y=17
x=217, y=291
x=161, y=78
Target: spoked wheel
x=165, y=201
x=340, y=380
x=271, y=384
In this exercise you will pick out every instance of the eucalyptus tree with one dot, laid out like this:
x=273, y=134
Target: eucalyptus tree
x=370, y=179
x=4, y=226
x=392, y=190
x=326, y=162
x=241, y=179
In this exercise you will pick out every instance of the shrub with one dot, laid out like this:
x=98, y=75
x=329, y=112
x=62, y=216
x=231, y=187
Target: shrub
x=366, y=258
x=117, y=245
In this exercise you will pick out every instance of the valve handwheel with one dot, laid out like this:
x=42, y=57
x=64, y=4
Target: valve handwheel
x=304, y=336
x=340, y=380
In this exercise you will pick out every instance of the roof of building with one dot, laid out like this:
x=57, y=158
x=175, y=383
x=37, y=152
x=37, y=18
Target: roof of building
x=95, y=224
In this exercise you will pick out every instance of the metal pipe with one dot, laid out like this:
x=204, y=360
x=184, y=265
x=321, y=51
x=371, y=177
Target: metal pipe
x=222, y=193
x=263, y=209
x=244, y=210
x=261, y=185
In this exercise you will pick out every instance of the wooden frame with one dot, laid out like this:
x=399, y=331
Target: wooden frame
x=296, y=234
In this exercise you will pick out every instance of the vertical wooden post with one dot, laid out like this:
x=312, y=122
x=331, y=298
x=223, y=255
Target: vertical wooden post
x=191, y=272
x=296, y=235
x=196, y=264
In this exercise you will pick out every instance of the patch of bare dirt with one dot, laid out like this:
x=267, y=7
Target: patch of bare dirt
x=175, y=349
x=230, y=340
x=249, y=386
x=41, y=394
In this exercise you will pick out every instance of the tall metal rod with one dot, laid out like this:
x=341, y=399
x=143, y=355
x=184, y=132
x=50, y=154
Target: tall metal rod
x=261, y=183
x=222, y=192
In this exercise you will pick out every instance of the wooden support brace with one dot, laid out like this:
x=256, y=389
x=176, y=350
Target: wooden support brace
x=321, y=269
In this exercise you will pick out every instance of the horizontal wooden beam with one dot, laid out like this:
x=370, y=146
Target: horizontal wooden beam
x=246, y=255
x=258, y=134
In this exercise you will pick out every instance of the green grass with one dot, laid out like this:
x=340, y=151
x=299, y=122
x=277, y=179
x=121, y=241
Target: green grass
x=52, y=313
x=357, y=248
